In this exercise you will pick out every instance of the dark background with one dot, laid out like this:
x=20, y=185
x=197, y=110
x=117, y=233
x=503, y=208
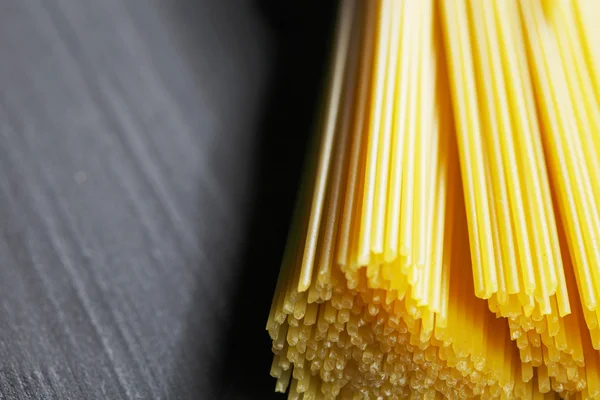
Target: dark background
x=150, y=152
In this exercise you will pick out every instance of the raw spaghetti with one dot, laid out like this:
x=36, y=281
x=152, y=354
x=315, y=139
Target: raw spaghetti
x=446, y=240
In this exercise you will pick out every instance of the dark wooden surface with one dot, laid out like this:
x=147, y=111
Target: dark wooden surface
x=149, y=157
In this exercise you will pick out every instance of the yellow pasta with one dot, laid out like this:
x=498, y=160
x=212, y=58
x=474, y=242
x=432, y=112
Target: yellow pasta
x=446, y=240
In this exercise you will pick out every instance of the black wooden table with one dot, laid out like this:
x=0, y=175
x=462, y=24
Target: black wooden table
x=149, y=157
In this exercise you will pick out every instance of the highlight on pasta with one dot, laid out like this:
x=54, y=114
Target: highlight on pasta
x=446, y=239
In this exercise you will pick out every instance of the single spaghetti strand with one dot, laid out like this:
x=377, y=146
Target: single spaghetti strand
x=425, y=173
x=408, y=178
x=447, y=192
x=424, y=129
x=434, y=211
x=440, y=192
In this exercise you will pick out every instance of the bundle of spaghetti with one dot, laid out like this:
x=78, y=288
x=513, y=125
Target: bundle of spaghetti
x=564, y=62
x=566, y=79
x=499, y=53
x=512, y=190
x=365, y=244
x=444, y=242
x=513, y=235
x=356, y=344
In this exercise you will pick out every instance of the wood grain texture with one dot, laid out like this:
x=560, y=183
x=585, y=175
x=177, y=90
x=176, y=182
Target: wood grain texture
x=149, y=156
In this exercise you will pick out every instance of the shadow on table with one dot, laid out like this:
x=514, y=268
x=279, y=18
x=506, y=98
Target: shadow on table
x=302, y=33
x=300, y=37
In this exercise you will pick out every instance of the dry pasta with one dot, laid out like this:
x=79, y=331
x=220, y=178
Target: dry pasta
x=446, y=240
